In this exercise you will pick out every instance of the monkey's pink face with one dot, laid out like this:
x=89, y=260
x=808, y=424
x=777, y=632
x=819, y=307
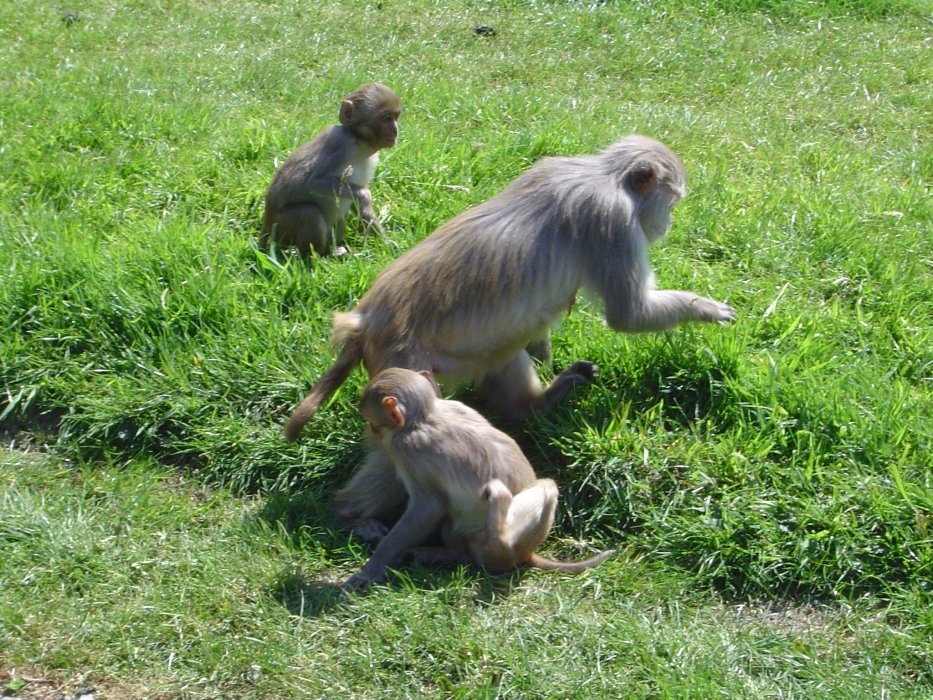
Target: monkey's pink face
x=388, y=128
x=655, y=217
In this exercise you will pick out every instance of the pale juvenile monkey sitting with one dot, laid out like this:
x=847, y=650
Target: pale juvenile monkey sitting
x=461, y=474
x=311, y=194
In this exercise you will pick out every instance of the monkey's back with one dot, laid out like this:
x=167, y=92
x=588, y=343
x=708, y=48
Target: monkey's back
x=491, y=279
x=326, y=152
x=458, y=451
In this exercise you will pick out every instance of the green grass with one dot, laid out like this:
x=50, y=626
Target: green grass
x=160, y=587
x=769, y=484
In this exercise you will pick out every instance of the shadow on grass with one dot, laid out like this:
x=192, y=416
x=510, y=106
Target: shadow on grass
x=305, y=597
x=311, y=597
x=295, y=513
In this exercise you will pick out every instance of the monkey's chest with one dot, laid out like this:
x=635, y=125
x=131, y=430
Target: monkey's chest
x=362, y=171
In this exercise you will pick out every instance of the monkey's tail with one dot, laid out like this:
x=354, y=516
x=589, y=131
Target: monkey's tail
x=347, y=335
x=570, y=567
x=266, y=231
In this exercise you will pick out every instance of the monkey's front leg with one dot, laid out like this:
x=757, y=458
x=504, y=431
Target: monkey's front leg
x=690, y=306
x=423, y=514
x=373, y=493
x=363, y=199
x=498, y=499
x=661, y=309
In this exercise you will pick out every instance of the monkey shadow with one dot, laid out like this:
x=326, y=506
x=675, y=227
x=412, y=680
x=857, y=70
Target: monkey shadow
x=304, y=519
x=300, y=515
x=310, y=597
x=306, y=597
x=455, y=584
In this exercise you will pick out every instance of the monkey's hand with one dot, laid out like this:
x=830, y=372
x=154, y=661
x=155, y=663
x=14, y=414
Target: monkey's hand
x=712, y=311
x=496, y=490
x=346, y=174
x=364, y=205
x=357, y=583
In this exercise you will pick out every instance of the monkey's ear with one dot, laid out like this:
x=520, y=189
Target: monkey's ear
x=394, y=410
x=429, y=378
x=642, y=178
x=346, y=112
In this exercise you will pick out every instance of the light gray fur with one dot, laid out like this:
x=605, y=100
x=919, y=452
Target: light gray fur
x=459, y=473
x=468, y=300
x=317, y=185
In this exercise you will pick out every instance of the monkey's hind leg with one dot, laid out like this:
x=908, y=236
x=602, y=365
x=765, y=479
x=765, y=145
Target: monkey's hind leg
x=580, y=372
x=304, y=226
x=515, y=392
x=516, y=525
x=540, y=350
x=530, y=517
x=373, y=492
x=264, y=236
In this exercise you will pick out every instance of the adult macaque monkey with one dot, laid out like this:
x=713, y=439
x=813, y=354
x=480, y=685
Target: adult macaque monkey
x=468, y=299
x=311, y=194
x=459, y=473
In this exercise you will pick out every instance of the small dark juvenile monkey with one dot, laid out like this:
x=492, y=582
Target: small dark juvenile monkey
x=460, y=473
x=311, y=194
x=468, y=300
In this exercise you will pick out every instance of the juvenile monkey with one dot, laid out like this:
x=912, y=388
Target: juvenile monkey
x=311, y=194
x=459, y=472
x=469, y=299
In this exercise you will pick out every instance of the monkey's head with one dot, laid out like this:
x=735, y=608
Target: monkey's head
x=653, y=176
x=372, y=113
x=395, y=399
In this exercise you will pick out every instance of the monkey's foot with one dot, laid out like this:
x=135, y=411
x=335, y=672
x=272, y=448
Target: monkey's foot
x=584, y=369
x=370, y=531
x=356, y=584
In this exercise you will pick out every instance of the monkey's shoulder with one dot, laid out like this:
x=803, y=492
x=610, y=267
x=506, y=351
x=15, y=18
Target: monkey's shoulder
x=333, y=146
x=456, y=440
x=458, y=433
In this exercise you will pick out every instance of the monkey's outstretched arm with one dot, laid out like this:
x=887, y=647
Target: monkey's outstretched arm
x=499, y=499
x=661, y=309
x=332, y=189
x=424, y=512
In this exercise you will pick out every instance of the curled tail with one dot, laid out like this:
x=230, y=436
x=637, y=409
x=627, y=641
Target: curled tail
x=347, y=335
x=570, y=567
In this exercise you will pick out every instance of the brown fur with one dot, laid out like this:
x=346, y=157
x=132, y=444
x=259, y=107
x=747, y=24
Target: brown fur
x=310, y=195
x=468, y=300
x=458, y=472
